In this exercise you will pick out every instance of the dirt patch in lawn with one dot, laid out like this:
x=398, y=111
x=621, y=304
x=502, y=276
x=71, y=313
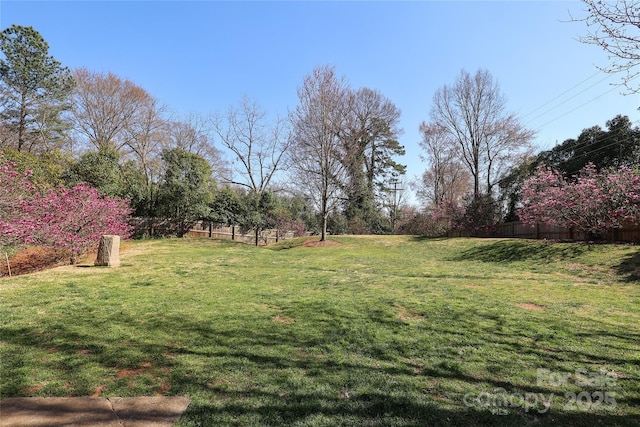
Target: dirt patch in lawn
x=529, y=306
x=406, y=314
x=32, y=389
x=283, y=320
x=131, y=373
x=98, y=391
x=312, y=243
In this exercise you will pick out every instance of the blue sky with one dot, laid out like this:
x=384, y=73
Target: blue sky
x=202, y=56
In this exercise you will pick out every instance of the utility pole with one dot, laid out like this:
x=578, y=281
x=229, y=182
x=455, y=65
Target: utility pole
x=394, y=206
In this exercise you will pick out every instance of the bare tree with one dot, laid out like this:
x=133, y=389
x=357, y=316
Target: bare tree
x=615, y=27
x=446, y=180
x=194, y=135
x=317, y=153
x=145, y=136
x=257, y=145
x=471, y=112
x=508, y=144
x=6, y=135
x=104, y=106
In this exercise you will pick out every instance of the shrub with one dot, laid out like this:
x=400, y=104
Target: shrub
x=593, y=202
x=67, y=219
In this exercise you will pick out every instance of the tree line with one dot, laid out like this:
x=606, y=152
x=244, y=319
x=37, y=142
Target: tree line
x=330, y=166
x=481, y=168
x=73, y=126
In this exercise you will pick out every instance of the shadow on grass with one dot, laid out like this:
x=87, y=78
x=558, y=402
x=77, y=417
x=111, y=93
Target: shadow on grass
x=418, y=238
x=521, y=250
x=332, y=370
x=629, y=268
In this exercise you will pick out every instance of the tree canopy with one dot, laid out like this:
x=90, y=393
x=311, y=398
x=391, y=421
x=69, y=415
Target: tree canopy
x=471, y=115
x=616, y=146
x=186, y=187
x=35, y=90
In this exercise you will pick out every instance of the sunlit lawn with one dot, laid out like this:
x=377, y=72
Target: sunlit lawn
x=372, y=331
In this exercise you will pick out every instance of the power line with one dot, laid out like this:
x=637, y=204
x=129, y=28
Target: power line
x=609, y=135
x=558, y=117
x=564, y=93
x=576, y=108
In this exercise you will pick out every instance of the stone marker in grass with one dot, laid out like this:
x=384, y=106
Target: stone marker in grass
x=109, y=251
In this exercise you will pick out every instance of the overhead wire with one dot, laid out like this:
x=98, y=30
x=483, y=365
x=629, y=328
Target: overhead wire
x=583, y=145
x=563, y=93
x=558, y=117
x=570, y=98
x=600, y=148
x=607, y=137
x=577, y=108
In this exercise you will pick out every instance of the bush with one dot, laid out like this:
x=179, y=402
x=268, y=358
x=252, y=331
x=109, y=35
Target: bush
x=592, y=202
x=67, y=219
x=426, y=224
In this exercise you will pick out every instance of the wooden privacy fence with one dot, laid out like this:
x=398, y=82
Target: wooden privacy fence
x=157, y=227
x=630, y=232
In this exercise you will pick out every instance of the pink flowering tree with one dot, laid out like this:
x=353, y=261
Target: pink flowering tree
x=592, y=203
x=74, y=219
x=15, y=188
x=71, y=219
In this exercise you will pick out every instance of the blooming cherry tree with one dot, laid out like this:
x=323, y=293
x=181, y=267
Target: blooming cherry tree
x=72, y=219
x=15, y=188
x=593, y=203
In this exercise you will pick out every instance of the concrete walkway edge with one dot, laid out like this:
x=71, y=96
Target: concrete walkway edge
x=151, y=411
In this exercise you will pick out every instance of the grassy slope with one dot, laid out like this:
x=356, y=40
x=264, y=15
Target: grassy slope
x=375, y=331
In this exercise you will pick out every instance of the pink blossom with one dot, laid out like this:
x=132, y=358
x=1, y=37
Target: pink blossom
x=72, y=218
x=593, y=202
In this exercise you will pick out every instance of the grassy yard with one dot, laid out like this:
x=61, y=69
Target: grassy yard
x=375, y=331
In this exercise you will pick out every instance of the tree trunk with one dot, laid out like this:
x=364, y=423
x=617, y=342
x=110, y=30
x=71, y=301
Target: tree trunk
x=22, y=125
x=323, y=235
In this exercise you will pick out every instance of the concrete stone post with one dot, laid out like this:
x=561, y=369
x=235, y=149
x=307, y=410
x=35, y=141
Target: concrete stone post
x=109, y=251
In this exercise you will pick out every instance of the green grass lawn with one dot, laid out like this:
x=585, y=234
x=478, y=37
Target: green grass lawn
x=372, y=331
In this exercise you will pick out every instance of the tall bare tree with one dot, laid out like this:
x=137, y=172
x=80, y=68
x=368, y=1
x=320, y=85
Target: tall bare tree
x=472, y=113
x=446, y=180
x=317, y=153
x=257, y=144
x=104, y=106
x=145, y=136
x=615, y=27
x=193, y=134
